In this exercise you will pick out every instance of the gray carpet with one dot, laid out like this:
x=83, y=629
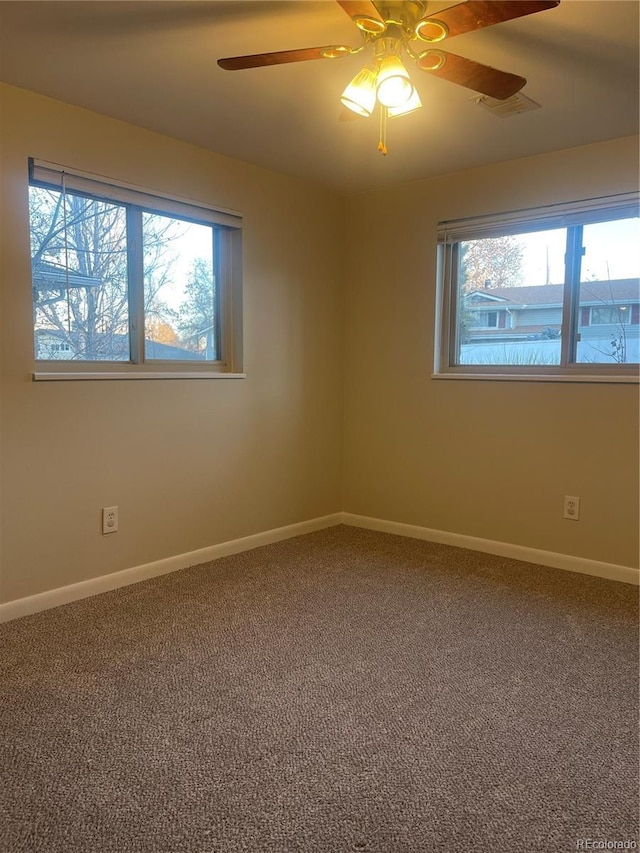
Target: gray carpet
x=342, y=691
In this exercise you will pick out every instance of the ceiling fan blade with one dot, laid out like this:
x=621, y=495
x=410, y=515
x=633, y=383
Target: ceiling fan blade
x=472, y=75
x=281, y=57
x=364, y=15
x=475, y=14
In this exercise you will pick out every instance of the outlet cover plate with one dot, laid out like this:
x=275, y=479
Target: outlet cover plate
x=572, y=508
x=109, y=519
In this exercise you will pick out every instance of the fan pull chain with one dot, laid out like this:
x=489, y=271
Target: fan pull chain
x=382, y=144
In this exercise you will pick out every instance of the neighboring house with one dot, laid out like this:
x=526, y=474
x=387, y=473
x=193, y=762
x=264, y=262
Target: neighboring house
x=52, y=344
x=609, y=318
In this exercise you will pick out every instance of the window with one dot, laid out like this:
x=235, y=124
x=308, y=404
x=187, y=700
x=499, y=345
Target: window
x=484, y=319
x=605, y=316
x=551, y=292
x=126, y=283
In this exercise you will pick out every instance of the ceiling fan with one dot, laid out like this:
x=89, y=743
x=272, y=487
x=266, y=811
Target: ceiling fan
x=393, y=27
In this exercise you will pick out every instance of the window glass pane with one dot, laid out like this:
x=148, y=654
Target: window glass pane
x=509, y=299
x=609, y=306
x=79, y=277
x=179, y=290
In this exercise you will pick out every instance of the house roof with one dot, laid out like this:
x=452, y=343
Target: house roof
x=49, y=277
x=617, y=290
x=155, y=349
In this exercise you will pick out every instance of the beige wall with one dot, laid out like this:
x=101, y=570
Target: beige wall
x=194, y=463
x=487, y=459
x=189, y=463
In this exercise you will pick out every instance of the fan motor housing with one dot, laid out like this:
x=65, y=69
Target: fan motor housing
x=406, y=13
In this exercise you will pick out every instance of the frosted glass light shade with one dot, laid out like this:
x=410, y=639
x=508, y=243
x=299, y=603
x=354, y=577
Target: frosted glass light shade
x=414, y=103
x=360, y=94
x=394, y=86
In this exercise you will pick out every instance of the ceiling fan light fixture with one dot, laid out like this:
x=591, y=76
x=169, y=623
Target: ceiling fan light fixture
x=431, y=30
x=414, y=103
x=360, y=94
x=390, y=27
x=394, y=84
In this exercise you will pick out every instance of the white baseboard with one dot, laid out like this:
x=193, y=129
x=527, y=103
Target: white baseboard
x=105, y=583
x=610, y=571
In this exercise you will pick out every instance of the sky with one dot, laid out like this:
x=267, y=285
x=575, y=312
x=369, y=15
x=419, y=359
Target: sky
x=194, y=241
x=612, y=251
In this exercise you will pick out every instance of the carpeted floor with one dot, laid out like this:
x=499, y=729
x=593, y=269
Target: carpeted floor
x=342, y=691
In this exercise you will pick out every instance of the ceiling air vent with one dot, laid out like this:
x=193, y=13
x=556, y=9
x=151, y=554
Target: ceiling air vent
x=515, y=104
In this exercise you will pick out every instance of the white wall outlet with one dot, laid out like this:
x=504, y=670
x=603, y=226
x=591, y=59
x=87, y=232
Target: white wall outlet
x=109, y=519
x=572, y=508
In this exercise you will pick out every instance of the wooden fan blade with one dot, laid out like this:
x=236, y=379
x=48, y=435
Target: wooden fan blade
x=281, y=57
x=364, y=15
x=475, y=14
x=472, y=75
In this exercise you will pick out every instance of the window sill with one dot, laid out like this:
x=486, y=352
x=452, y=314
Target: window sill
x=631, y=379
x=51, y=376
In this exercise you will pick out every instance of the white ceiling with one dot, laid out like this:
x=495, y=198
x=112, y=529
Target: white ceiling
x=154, y=64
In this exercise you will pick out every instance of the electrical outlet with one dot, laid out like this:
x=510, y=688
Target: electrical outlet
x=572, y=508
x=109, y=519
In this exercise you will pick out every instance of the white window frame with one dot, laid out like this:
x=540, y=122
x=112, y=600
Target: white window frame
x=572, y=216
x=227, y=236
